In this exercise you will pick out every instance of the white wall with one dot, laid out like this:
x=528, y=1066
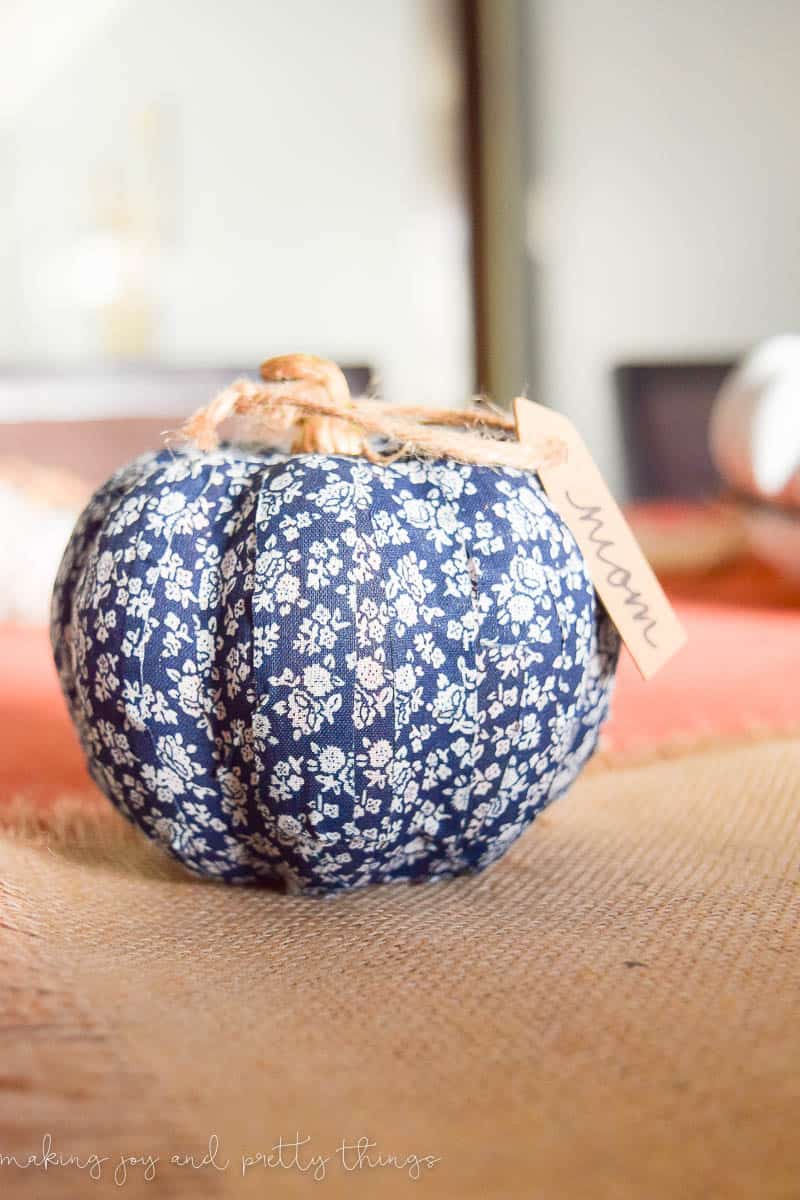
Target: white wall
x=307, y=192
x=665, y=202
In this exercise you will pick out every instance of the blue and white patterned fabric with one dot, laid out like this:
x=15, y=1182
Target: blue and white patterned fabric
x=315, y=670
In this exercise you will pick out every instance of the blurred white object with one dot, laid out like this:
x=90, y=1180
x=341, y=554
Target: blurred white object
x=755, y=443
x=755, y=423
x=38, y=509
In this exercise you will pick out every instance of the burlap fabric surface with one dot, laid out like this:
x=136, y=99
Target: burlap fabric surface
x=613, y=1011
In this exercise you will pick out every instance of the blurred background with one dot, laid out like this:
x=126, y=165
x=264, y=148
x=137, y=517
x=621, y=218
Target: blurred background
x=595, y=203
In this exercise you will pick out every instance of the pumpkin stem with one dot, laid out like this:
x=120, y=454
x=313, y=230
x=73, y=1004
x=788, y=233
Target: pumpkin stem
x=317, y=433
x=311, y=370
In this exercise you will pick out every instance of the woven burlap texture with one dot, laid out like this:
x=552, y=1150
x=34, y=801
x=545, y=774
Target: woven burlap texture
x=610, y=1012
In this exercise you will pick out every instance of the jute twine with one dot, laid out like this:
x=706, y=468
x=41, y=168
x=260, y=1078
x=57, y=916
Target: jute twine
x=308, y=400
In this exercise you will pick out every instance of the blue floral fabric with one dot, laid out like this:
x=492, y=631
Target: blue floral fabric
x=320, y=671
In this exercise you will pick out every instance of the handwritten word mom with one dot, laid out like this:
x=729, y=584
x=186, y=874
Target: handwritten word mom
x=617, y=575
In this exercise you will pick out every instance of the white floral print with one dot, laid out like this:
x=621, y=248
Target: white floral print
x=317, y=671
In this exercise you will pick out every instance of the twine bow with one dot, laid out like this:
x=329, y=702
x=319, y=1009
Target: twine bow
x=308, y=398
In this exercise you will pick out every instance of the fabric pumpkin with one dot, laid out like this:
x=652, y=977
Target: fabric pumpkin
x=317, y=670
